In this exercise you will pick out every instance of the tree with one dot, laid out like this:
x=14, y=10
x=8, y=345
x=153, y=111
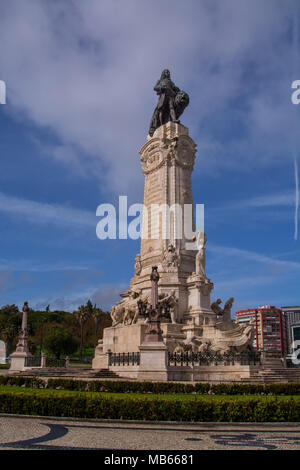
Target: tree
x=10, y=324
x=9, y=310
x=59, y=342
x=82, y=315
x=9, y=335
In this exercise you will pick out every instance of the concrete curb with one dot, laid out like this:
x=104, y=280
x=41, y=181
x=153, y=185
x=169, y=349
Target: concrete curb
x=173, y=423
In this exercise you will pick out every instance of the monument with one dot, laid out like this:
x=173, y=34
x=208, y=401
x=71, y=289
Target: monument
x=18, y=358
x=188, y=321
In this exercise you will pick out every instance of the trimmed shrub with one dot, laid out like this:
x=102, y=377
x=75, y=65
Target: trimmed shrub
x=126, y=386
x=149, y=407
x=237, y=389
x=28, y=382
x=118, y=386
x=283, y=389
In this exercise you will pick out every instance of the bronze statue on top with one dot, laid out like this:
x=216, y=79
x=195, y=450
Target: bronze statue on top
x=171, y=103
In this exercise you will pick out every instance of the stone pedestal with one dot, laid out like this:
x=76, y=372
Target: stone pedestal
x=101, y=361
x=199, y=289
x=153, y=362
x=18, y=360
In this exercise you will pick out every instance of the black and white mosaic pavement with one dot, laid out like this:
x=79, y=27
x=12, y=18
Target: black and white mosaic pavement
x=42, y=433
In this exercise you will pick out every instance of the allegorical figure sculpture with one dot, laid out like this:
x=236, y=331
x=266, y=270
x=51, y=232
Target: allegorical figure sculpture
x=170, y=257
x=138, y=265
x=225, y=313
x=227, y=309
x=171, y=103
x=215, y=306
x=200, y=257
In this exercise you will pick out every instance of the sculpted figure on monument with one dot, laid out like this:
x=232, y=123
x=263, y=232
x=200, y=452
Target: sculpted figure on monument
x=131, y=307
x=126, y=311
x=171, y=258
x=138, y=265
x=169, y=303
x=117, y=313
x=225, y=313
x=215, y=306
x=171, y=103
x=227, y=309
x=200, y=257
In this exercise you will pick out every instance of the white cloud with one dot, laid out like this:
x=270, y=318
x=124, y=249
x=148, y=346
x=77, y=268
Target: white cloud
x=44, y=213
x=252, y=278
x=231, y=252
x=104, y=297
x=86, y=70
x=257, y=210
x=286, y=198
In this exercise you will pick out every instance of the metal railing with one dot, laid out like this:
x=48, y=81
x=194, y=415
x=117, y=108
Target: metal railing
x=124, y=359
x=33, y=361
x=210, y=358
x=84, y=360
x=53, y=362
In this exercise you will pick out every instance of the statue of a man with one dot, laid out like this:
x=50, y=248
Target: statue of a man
x=171, y=102
x=166, y=90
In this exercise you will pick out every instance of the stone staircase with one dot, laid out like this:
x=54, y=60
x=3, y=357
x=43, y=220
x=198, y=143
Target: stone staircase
x=274, y=371
x=67, y=373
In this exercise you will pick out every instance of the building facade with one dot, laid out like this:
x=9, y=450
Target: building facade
x=270, y=331
x=291, y=317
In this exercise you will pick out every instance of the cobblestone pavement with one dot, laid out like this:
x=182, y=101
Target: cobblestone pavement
x=53, y=433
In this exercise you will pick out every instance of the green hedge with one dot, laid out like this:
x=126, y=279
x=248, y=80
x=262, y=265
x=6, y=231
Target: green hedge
x=124, y=386
x=175, y=387
x=115, y=386
x=31, y=382
x=149, y=407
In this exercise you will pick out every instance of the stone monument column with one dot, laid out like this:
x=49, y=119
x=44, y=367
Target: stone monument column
x=22, y=351
x=167, y=162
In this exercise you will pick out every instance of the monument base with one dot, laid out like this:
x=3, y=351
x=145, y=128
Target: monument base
x=153, y=362
x=18, y=360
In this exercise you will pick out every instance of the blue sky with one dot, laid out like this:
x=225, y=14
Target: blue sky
x=80, y=79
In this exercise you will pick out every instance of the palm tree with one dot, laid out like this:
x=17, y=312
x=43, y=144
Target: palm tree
x=97, y=313
x=81, y=315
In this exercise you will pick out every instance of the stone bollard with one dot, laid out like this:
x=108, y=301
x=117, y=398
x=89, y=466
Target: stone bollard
x=67, y=362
